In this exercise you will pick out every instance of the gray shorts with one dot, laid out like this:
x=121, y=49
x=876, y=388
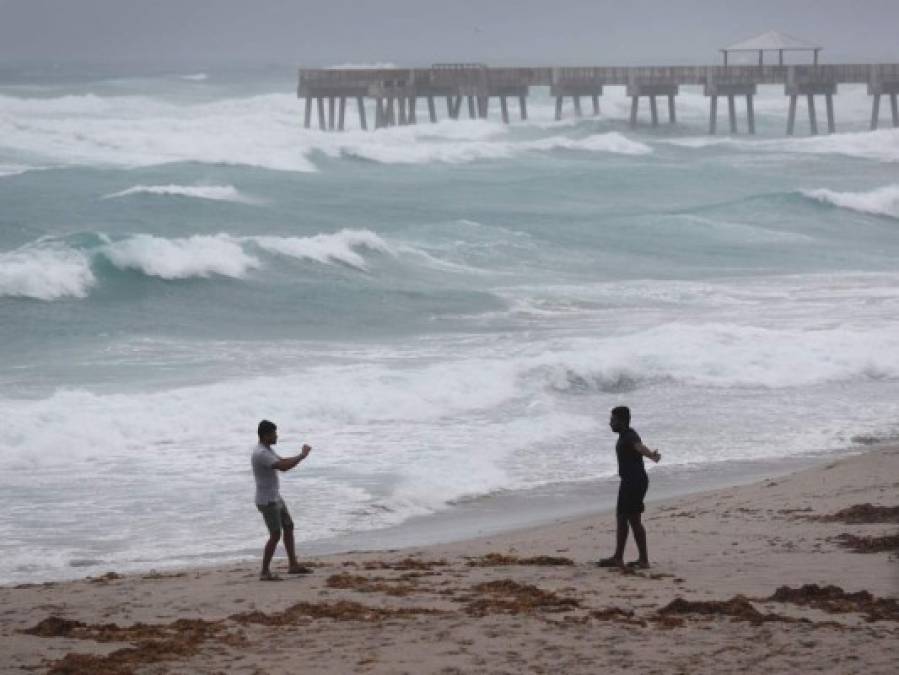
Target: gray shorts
x=276, y=516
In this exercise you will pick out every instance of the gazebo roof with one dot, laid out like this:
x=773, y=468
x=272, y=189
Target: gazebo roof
x=771, y=41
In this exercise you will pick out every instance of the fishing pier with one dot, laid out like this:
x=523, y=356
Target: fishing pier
x=396, y=92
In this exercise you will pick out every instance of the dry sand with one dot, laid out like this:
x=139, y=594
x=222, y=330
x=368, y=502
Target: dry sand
x=754, y=578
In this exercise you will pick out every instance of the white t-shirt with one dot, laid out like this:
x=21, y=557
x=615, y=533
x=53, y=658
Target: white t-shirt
x=263, y=459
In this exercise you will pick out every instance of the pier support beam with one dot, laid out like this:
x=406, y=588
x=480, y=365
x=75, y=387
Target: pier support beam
x=308, y=113
x=472, y=114
x=791, y=116
x=595, y=99
x=322, y=123
x=413, y=110
x=504, y=109
x=523, y=106
x=652, y=91
x=831, y=124
x=341, y=113
x=732, y=113
x=810, y=90
x=878, y=88
x=558, y=108
x=812, y=118
x=331, y=107
x=360, y=107
x=715, y=88
x=432, y=109
x=577, y=106
x=750, y=114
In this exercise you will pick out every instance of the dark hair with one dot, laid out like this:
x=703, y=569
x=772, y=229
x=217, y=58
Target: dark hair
x=265, y=428
x=623, y=413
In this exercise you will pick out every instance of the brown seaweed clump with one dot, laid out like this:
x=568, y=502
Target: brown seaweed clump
x=154, y=643
x=367, y=585
x=858, y=544
x=835, y=600
x=501, y=560
x=738, y=608
x=510, y=597
x=862, y=513
x=405, y=565
x=616, y=614
x=342, y=610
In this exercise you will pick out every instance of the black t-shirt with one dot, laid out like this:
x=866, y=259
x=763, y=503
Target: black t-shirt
x=630, y=462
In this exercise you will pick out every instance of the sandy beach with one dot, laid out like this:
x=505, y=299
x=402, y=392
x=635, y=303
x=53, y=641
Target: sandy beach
x=792, y=574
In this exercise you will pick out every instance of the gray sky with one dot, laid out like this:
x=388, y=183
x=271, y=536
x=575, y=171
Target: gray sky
x=419, y=32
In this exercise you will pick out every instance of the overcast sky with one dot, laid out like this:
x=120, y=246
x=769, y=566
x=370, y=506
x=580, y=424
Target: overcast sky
x=420, y=32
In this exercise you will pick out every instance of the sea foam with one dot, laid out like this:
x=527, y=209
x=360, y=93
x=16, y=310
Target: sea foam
x=45, y=272
x=326, y=248
x=182, y=258
x=883, y=201
x=227, y=193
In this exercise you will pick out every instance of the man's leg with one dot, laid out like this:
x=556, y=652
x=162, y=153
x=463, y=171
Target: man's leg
x=269, y=551
x=271, y=514
x=621, y=537
x=639, y=536
x=294, y=566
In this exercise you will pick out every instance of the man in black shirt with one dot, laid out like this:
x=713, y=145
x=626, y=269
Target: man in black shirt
x=634, y=483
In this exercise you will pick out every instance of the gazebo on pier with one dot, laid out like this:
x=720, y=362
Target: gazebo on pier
x=772, y=41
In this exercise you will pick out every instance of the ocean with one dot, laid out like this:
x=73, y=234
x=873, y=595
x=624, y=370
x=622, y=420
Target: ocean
x=444, y=311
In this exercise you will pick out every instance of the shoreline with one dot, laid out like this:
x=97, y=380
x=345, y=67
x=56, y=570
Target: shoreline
x=503, y=512
x=755, y=576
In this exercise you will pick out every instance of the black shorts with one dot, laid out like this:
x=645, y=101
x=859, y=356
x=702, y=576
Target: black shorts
x=630, y=495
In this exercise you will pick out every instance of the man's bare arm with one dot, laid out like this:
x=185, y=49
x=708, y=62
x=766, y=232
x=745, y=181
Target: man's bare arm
x=654, y=455
x=287, y=463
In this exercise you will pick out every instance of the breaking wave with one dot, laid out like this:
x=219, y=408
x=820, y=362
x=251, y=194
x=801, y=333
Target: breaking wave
x=50, y=270
x=45, y=272
x=883, y=201
x=226, y=193
x=198, y=256
x=327, y=248
x=881, y=145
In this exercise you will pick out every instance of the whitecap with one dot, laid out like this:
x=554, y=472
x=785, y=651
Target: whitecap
x=339, y=247
x=45, y=272
x=183, y=258
x=882, y=201
x=227, y=193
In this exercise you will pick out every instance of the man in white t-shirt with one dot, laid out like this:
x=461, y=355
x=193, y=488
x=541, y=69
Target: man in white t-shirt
x=266, y=465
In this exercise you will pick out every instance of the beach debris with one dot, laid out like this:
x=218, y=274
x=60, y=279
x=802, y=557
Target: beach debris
x=154, y=575
x=862, y=513
x=889, y=542
x=506, y=596
x=105, y=578
x=363, y=584
x=501, y=560
x=739, y=608
x=342, y=610
x=616, y=614
x=405, y=564
x=154, y=643
x=835, y=600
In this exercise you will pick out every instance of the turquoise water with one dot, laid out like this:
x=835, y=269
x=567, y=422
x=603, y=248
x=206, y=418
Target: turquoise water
x=442, y=311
